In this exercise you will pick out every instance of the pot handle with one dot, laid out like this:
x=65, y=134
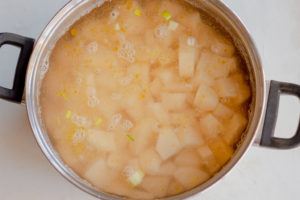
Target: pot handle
x=267, y=137
x=26, y=45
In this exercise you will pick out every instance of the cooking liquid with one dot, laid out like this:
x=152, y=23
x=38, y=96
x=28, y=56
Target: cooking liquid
x=144, y=99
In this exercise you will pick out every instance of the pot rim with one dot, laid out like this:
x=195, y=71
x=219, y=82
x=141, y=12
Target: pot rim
x=32, y=96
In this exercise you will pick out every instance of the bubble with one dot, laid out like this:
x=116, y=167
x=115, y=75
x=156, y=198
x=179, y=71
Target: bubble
x=93, y=101
x=115, y=119
x=126, y=51
x=92, y=47
x=127, y=125
x=78, y=136
x=92, y=98
x=191, y=41
x=128, y=171
x=161, y=31
x=81, y=121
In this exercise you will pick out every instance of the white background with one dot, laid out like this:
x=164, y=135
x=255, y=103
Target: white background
x=25, y=174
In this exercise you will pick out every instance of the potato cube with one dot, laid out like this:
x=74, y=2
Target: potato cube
x=188, y=157
x=167, y=169
x=101, y=140
x=150, y=162
x=225, y=87
x=139, y=71
x=242, y=88
x=209, y=159
x=216, y=66
x=202, y=77
x=116, y=160
x=212, y=166
x=173, y=101
x=205, y=152
x=210, y=126
x=206, y=98
x=222, y=48
x=167, y=76
x=155, y=88
x=99, y=174
x=222, y=151
x=159, y=112
x=167, y=144
x=223, y=112
x=189, y=137
x=133, y=105
x=234, y=129
x=191, y=21
x=143, y=135
x=190, y=177
x=187, y=57
x=157, y=185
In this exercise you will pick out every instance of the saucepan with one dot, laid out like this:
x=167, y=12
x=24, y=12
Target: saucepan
x=34, y=60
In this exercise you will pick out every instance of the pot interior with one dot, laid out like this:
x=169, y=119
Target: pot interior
x=39, y=63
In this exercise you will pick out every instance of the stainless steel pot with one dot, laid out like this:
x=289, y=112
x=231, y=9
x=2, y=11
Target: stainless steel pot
x=265, y=100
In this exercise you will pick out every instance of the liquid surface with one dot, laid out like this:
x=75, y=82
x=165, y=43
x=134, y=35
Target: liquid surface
x=145, y=100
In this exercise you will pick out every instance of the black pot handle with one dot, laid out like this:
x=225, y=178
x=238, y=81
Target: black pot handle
x=268, y=139
x=26, y=44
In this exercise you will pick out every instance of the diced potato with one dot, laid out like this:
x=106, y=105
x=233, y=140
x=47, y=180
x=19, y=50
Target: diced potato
x=143, y=135
x=187, y=57
x=222, y=48
x=173, y=101
x=216, y=66
x=205, y=152
x=209, y=159
x=192, y=21
x=212, y=166
x=223, y=112
x=157, y=185
x=225, y=87
x=242, y=88
x=210, y=126
x=99, y=174
x=167, y=169
x=188, y=157
x=190, y=177
x=168, y=56
x=167, y=144
x=167, y=76
x=202, y=77
x=159, y=112
x=133, y=24
x=155, y=88
x=139, y=71
x=133, y=105
x=150, y=162
x=222, y=151
x=190, y=137
x=180, y=87
x=234, y=129
x=116, y=160
x=175, y=188
x=101, y=140
x=206, y=98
